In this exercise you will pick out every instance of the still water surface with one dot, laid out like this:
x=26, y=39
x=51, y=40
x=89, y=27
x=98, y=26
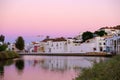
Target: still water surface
x=45, y=67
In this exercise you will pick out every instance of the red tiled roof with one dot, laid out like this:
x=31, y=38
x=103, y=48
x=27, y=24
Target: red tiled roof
x=56, y=39
x=34, y=43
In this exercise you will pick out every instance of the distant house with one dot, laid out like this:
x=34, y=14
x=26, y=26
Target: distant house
x=34, y=47
x=12, y=47
x=79, y=37
x=113, y=44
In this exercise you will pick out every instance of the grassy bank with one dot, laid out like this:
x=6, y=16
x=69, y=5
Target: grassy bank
x=109, y=70
x=8, y=55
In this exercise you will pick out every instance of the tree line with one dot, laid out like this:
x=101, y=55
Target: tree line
x=88, y=35
x=19, y=43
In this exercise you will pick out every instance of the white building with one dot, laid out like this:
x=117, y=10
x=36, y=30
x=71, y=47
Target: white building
x=113, y=44
x=79, y=37
x=110, y=31
x=96, y=44
x=35, y=47
x=12, y=47
x=62, y=45
x=58, y=45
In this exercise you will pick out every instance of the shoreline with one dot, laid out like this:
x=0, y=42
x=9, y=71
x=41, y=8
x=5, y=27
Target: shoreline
x=68, y=54
x=6, y=55
x=106, y=70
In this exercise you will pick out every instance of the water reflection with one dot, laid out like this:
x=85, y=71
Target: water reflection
x=6, y=62
x=63, y=63
x=19, y=64
x=95, y=60
x=46, y=67
x=2, y=64
x=1, y=72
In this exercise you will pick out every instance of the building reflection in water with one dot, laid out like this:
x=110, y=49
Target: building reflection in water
x=64, y=63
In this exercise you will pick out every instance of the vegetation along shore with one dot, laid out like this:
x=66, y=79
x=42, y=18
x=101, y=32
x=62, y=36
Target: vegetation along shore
x=4, y=55
x=108, y=70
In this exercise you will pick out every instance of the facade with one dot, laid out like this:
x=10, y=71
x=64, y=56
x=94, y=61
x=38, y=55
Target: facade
x=11, y=47
x=70, y=45
x=113, y=44
x=35, y=47
x=96, y=44
x=79, y=37
x=57, y=45
x=100, y=44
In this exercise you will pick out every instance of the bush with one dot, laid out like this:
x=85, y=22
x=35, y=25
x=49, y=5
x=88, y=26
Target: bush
x=3, y=47
x=8, y=55
x=109, y=70
x=87, y=35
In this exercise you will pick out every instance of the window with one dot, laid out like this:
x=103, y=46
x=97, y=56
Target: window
x=101, y=49
x=103, y=43
x=68, y=41
x=57, y=45
x=94, y=49
x=100, y=44
x=52, y=45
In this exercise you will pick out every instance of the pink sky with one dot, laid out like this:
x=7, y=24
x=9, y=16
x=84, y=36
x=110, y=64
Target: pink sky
x=29, y=18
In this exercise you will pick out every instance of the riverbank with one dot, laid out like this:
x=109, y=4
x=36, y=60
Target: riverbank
x=8, y=55
x=109, y=70
x=70, y=54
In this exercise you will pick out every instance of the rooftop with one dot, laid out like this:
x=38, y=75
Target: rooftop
x=55, y=39
x=116, y=27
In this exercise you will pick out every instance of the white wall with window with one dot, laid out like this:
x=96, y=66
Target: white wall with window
x=113, y=44
x=56, y=47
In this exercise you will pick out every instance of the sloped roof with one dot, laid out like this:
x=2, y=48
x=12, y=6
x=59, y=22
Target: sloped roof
x=55, y=39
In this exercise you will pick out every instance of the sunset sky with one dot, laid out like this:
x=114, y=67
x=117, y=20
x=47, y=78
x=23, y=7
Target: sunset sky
x=30, y=18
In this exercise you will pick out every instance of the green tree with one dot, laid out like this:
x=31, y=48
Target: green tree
x=20, y=43
x=87, y=35
x=3, y=47
x=100, y=33
x=2, y=38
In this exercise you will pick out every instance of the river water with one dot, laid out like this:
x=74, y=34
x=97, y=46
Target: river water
x=45, y=67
